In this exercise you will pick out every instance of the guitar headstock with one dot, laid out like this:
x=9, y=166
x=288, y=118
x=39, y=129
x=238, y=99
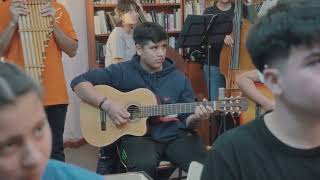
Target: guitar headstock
x=233, y=104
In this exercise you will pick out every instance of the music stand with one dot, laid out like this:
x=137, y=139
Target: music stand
x=203, y=31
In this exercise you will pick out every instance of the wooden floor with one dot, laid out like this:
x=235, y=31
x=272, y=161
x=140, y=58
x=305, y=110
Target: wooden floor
x=85, y=156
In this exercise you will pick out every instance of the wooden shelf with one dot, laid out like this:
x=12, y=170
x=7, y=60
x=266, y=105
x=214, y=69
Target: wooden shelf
x=104, y=5
x=173, y=32
x=102, y=35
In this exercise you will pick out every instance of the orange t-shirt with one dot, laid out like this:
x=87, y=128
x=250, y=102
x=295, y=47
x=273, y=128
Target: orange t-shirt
x=53, y=81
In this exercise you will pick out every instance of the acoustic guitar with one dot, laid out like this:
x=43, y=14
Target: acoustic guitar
x=254, y=109
x=99, y=130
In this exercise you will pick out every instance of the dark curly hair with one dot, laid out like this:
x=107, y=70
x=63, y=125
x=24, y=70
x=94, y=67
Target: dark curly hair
x=149, y=31
x=289, y=24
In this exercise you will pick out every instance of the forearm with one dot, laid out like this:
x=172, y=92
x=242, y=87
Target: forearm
x=249, y=89
x=88, y=94
x=6, y=37
x=64, y=42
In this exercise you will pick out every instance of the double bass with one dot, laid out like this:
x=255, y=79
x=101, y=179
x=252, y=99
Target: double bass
x=236, y=59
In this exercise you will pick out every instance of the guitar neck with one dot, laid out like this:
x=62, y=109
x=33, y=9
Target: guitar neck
x=169, y=109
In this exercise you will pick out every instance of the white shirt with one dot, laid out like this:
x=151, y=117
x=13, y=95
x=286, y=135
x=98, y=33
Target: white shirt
x=120, y=44
x=267, y=4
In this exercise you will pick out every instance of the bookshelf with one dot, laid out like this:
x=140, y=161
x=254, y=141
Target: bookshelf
x=92, y=8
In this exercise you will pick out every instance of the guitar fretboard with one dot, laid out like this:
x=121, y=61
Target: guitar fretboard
x=169, y=109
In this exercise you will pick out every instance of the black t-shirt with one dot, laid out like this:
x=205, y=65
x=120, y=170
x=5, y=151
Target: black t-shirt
x=227, y=18
x=252, y=152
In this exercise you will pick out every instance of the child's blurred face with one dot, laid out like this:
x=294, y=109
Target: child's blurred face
x=131, y=17
x=25, y=139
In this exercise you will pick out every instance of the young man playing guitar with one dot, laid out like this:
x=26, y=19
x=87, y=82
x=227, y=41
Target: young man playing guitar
x=285, y=143
x=169, y=138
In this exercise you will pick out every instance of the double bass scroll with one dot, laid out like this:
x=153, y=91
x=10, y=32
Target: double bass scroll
x=35, y=31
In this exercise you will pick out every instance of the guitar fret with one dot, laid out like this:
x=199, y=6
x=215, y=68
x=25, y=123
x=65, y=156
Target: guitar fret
x=153, y=111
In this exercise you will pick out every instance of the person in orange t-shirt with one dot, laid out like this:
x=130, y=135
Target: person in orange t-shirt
x=64, y=39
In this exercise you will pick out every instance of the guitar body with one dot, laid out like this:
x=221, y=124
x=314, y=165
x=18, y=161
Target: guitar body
x=245, y=62
x=90, y=116
x=250, y=114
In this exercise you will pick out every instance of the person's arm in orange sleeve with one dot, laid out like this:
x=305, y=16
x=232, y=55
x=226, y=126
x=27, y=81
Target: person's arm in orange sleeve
x=17, y=8
x=67, y=44
x=245, y=83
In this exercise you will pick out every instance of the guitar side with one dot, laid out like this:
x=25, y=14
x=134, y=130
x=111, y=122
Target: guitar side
x=250, y=114
x=90, y=116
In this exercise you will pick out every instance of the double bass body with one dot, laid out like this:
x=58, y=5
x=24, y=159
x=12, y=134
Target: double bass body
x=236, y=59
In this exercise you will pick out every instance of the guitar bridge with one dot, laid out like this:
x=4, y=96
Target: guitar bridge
x=103, y=120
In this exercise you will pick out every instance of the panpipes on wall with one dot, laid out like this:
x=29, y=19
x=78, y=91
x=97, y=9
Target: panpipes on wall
x=35, y=31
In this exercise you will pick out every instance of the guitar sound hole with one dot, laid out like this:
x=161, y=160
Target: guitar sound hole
x=134, y=112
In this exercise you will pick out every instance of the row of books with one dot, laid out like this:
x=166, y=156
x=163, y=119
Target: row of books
x=196, y=7
x=104, y=20
x=170, y=22
x=100, y=52
x=101, y=49
x=142, y=1
x=172, y=42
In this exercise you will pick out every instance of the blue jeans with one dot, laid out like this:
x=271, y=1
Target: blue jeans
x=217, y=81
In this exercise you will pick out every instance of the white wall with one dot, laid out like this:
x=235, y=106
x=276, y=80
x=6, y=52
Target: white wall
x=76, y=65
x=85, y=156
